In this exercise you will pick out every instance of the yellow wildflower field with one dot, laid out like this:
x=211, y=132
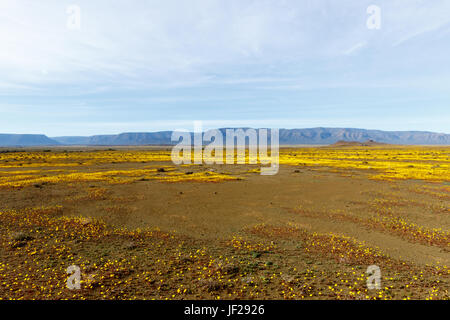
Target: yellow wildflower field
x=138, y=226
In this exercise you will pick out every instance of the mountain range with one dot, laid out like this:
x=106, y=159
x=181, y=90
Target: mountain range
x=315, y=136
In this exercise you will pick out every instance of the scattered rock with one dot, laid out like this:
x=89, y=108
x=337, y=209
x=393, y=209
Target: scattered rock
x=21, y=236
x=122, y=273
x=256, y=254
x=86, y=221
x=344, y=260
x=130, y=245
x=211, y=285
x=186, y=259
x=287, y=278
x=20, y=239
x=230, y=269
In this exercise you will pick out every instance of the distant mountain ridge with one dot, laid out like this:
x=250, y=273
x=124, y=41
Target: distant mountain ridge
x=25, y=140
x=323, y=136
x=317, y=136
x=333, y=135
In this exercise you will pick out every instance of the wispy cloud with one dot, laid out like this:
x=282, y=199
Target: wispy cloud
x=355, y=48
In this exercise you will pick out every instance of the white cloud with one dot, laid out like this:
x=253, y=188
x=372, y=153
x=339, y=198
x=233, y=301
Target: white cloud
x=146, y=43
x=166, y=55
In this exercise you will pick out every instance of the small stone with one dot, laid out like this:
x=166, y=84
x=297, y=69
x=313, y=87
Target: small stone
x=130, y=245
x=211, y=285
x=256, y=254
x=21, y=236
x=85, y=221
x=230, y=269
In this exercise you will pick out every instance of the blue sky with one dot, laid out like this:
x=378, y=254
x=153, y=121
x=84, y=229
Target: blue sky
x=140, y=65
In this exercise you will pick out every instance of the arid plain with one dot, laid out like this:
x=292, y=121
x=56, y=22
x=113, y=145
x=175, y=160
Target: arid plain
x=140, y=227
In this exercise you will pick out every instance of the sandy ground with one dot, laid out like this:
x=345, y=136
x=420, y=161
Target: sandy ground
x=220, y=210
